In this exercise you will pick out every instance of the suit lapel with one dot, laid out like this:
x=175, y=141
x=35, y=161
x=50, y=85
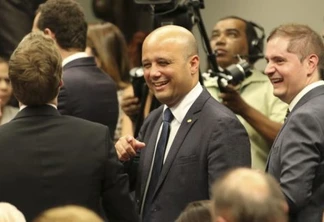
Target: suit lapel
x=187, y=123
x=148, y=154
x=308, y=96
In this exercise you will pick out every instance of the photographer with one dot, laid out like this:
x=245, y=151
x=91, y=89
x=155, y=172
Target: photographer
x=252, y=100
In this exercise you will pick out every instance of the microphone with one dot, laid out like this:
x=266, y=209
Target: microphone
x=258, y=56
x=239, y=56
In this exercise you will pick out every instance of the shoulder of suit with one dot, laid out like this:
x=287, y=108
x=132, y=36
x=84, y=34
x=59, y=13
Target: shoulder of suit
x=75, y=121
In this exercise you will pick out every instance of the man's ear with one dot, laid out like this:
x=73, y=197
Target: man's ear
x=220, y=219
x=285, y=207
x=312, y=62
x=194, y=64
x=61, y=83
x=47, y=31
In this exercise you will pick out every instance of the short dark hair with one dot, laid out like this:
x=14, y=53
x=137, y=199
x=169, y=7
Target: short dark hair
x=35, y=70
x=65, y=18
x=251, y=35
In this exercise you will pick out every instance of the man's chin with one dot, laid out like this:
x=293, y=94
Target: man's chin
x=224, y=62
x=280, y=95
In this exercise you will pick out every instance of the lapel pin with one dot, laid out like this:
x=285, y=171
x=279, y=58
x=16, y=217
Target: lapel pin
x=189, y=120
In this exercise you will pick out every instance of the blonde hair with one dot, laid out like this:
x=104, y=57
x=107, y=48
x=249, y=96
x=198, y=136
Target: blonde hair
x=9, y=213
x=69, y=213
x=35, y=69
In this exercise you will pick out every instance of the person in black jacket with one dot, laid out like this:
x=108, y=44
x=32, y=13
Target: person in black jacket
x=88, y=92
x=16, y=18
x=48, y=159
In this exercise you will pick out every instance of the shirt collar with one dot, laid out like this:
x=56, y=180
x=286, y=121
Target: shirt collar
x=74, y=57
x=303, y=92
x=22, y=106
x=180, y=110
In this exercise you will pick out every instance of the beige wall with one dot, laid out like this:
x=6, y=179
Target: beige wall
x=267, y=13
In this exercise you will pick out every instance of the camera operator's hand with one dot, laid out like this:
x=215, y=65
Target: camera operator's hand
x=232, y=99
x=131, y=106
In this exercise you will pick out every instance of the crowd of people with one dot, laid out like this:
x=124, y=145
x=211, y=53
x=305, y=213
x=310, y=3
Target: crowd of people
x=81, y=146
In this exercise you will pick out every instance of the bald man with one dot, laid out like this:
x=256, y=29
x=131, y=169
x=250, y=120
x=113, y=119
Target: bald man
x=248, y=195
x=174, y=161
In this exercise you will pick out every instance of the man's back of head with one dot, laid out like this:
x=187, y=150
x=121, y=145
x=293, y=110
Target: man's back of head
x=35, y=70
x=70, y=213
x=246, y=195
x=64, y=20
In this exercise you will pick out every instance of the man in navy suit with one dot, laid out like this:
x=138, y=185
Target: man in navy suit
x=88, y=92
x=205, y=138
x=295, y=55
x=47, y=159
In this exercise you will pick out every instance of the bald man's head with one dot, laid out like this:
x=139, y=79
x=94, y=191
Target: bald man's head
x=171, y=63
x=174, y=35
x=248, y=195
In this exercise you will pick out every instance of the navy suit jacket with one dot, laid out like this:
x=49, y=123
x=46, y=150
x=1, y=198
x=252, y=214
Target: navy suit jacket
x=210, y=141
x=296, y=159
x=49, y=160
x=89, y=93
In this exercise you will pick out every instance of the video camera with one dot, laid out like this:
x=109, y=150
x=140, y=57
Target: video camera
x=233, y=74
x=172, y=12
x=166, y=5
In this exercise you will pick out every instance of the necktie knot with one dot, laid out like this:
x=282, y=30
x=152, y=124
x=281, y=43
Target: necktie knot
x=287, y=113
x=168, y=116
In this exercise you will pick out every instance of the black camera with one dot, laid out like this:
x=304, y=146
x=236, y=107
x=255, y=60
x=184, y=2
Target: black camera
x=172, y=12
x=233, y=74
x=165, y=5
x=138, y=81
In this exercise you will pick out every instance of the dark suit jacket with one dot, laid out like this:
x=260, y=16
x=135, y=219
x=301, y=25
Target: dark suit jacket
x=89, y=93
x=297, y=158
x=209, y=141
x=16, y=18
x=50, y=160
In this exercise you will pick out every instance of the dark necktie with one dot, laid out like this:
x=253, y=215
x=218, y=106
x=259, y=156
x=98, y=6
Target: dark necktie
x=158, y=161
x=287, y=114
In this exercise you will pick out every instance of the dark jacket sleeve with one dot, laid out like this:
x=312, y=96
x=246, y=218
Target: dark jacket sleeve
x=117, y=202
